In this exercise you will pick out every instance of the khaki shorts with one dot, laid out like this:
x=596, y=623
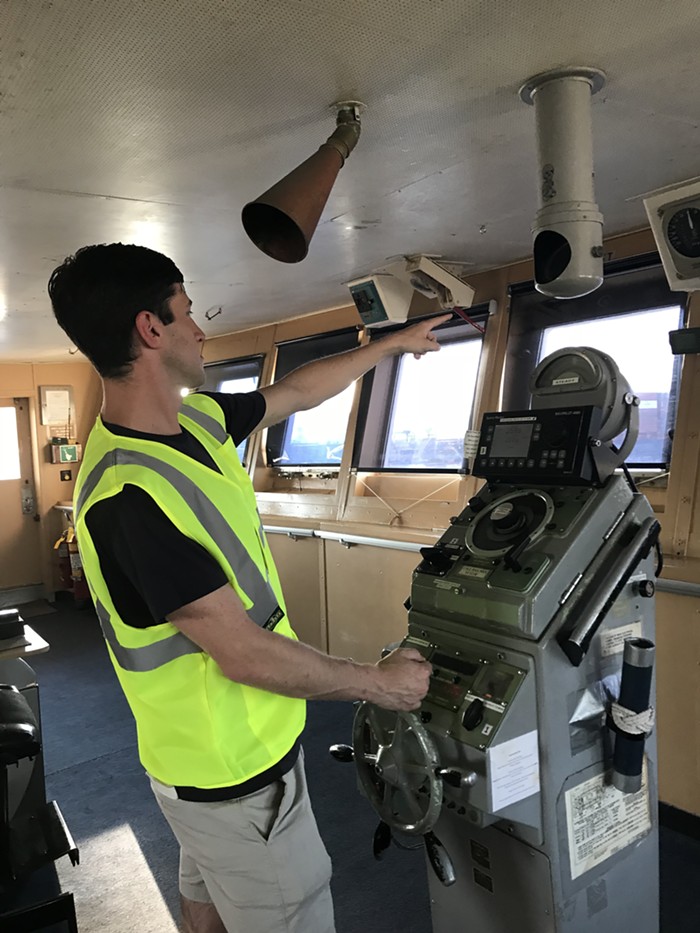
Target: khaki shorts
x=259, y=859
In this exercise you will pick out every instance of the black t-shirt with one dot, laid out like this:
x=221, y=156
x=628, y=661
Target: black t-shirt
x=150, y=567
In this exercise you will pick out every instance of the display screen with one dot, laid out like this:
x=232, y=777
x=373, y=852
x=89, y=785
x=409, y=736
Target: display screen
x=364, y=300
x=494, y=685
x=511, y=440
x=443, y=692
x=453, y=664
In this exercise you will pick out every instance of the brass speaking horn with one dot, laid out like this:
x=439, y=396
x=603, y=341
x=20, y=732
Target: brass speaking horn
x=282, y=221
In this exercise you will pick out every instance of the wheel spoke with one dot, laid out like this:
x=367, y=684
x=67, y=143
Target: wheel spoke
x=400, y=727
x=367, y=758
x=416, y=768
x=412, y=801
x=377, y=726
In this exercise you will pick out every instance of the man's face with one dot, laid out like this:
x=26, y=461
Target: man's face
x=183, y=353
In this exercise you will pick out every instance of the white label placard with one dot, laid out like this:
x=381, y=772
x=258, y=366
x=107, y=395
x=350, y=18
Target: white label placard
x=601, y=820
x=514, y=770
x=613, y=641
x=57, y=406
x=478, y=572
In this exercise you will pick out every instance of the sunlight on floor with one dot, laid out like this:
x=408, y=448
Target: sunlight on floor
x=114, y=862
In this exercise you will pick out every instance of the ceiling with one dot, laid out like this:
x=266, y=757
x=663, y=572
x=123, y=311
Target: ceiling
x=155, y=122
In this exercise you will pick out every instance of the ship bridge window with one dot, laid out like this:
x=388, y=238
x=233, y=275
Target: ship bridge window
x=629, y=318
x=234, y=376
x=313, y=438
x=414, y=413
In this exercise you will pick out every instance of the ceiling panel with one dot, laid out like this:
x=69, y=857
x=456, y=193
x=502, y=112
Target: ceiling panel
x=155, y=122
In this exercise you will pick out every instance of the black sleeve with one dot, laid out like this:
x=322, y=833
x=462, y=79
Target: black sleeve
x=243, y=412
x=150, y=567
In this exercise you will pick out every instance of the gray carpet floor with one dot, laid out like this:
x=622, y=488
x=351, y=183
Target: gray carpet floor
x=127, y=877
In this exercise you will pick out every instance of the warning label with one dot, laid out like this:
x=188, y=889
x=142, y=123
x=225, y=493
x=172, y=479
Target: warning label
x=613, y=641
x=514, y=770
x=601, y=821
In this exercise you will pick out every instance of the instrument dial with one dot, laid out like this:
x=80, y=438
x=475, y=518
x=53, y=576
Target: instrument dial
x=684, y=231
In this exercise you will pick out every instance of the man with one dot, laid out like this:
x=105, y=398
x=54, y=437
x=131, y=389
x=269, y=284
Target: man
x=189, y=599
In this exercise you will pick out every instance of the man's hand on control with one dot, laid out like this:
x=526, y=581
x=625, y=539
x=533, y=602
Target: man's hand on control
x=403, y=680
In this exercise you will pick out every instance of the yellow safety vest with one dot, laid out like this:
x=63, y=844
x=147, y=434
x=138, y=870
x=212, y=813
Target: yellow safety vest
x=196, y=728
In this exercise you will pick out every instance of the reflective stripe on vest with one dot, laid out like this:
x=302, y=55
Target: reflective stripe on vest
x=256, y=587
x=148, y=657
x=218, y=432
x=205, y=422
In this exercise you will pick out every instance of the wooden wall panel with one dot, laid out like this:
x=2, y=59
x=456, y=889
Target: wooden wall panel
x=680, y=536
x=300, y=566
x=16, y=380
x=87, y=397
x=23, y=380
x=678, y=700
x=366, y=588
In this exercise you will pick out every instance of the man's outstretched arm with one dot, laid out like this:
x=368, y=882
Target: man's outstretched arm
x=319, y=380
x=251, y=655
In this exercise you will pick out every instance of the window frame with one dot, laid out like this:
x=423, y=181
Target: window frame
x=378, y=395
x=256, y=359
x=277, y=433
x=253, y=360
x=629, y=286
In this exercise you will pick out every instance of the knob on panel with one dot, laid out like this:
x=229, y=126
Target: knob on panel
x=474, y=715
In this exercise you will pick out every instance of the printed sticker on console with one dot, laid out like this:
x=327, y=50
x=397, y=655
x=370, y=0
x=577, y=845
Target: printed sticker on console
x=602, y=820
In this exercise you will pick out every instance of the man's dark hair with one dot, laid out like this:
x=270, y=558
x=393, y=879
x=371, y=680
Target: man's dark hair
x=97, y=294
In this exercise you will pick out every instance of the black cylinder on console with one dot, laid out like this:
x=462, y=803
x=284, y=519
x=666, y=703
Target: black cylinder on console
x=635, y=690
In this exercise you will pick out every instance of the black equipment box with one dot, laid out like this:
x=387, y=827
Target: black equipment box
x=11, y=624
x=551, y=445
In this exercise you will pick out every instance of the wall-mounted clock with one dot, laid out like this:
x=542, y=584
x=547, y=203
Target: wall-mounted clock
x=674, y=216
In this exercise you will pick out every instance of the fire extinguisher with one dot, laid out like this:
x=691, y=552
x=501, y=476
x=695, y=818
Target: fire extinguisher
x=64, y=568
x=80, y=587
x=70, y=566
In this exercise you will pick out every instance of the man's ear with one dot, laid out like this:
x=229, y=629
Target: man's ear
x=149, y=329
